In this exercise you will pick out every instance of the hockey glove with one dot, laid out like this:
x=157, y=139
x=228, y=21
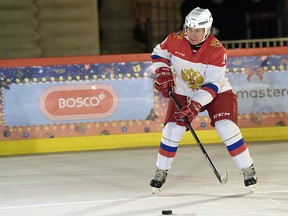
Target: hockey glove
x=164, y=80
x=190, y=111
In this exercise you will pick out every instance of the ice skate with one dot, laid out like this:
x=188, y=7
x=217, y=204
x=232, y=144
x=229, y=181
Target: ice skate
x=158, y=180
x=250, y=178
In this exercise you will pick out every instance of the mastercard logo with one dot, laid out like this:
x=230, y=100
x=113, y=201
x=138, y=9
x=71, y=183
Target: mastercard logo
x=76, y=102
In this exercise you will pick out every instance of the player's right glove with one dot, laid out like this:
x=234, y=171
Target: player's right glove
x=164, y=80
x=190, y=111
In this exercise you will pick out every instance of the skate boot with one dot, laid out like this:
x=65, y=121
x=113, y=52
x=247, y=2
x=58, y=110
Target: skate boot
x=250, y=178
x=158, y=180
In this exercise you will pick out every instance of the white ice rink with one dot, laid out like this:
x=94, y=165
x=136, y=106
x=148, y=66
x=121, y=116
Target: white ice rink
x=116, y=182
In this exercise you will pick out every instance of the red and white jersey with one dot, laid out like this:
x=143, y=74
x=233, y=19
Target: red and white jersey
x=199, y=75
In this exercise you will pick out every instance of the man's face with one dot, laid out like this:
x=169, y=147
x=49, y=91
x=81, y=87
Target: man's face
x=195, y=35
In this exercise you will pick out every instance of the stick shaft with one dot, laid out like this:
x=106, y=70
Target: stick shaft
x=221, y=179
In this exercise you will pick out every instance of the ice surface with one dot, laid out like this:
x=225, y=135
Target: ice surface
x=116, y=182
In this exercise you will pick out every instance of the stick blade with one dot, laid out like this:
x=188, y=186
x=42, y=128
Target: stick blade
x=223, y=179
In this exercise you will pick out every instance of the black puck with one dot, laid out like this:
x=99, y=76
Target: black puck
x=166, y=212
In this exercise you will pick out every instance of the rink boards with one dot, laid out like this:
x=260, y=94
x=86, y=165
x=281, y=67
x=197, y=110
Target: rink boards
x=35, y=126
x=68, y=144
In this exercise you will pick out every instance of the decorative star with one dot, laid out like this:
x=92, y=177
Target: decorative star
x=87, y=66
x=25, y=135
x=124, y=129
x=146, y=129
x=203, y=125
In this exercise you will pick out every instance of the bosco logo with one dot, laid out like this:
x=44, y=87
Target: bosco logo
x=76, y=102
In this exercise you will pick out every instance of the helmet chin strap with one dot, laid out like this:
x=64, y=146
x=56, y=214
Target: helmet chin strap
x=205, y=37
x=207, y=33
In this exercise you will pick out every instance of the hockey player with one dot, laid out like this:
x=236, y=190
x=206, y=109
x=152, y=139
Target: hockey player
x=192, y=63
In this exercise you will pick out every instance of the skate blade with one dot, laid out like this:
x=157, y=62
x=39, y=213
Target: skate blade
x=253, y=188
x=155, y=190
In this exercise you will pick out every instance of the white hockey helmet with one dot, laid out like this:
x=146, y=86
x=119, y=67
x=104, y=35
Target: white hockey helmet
x=199, y=18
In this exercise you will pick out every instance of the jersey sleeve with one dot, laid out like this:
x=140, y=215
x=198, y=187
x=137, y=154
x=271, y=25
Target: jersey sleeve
x=161, y=55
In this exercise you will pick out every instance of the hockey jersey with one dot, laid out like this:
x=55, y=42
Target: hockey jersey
x=200, y=74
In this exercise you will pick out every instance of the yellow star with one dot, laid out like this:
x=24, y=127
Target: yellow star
x=87, y=67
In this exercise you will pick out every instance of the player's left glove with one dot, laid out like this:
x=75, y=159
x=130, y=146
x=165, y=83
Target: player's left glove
x=190, y=111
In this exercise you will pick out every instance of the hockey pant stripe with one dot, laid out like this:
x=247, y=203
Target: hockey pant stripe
x=167, y=151
x=237, y=148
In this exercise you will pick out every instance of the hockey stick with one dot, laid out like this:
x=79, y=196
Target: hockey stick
x=222, y=179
